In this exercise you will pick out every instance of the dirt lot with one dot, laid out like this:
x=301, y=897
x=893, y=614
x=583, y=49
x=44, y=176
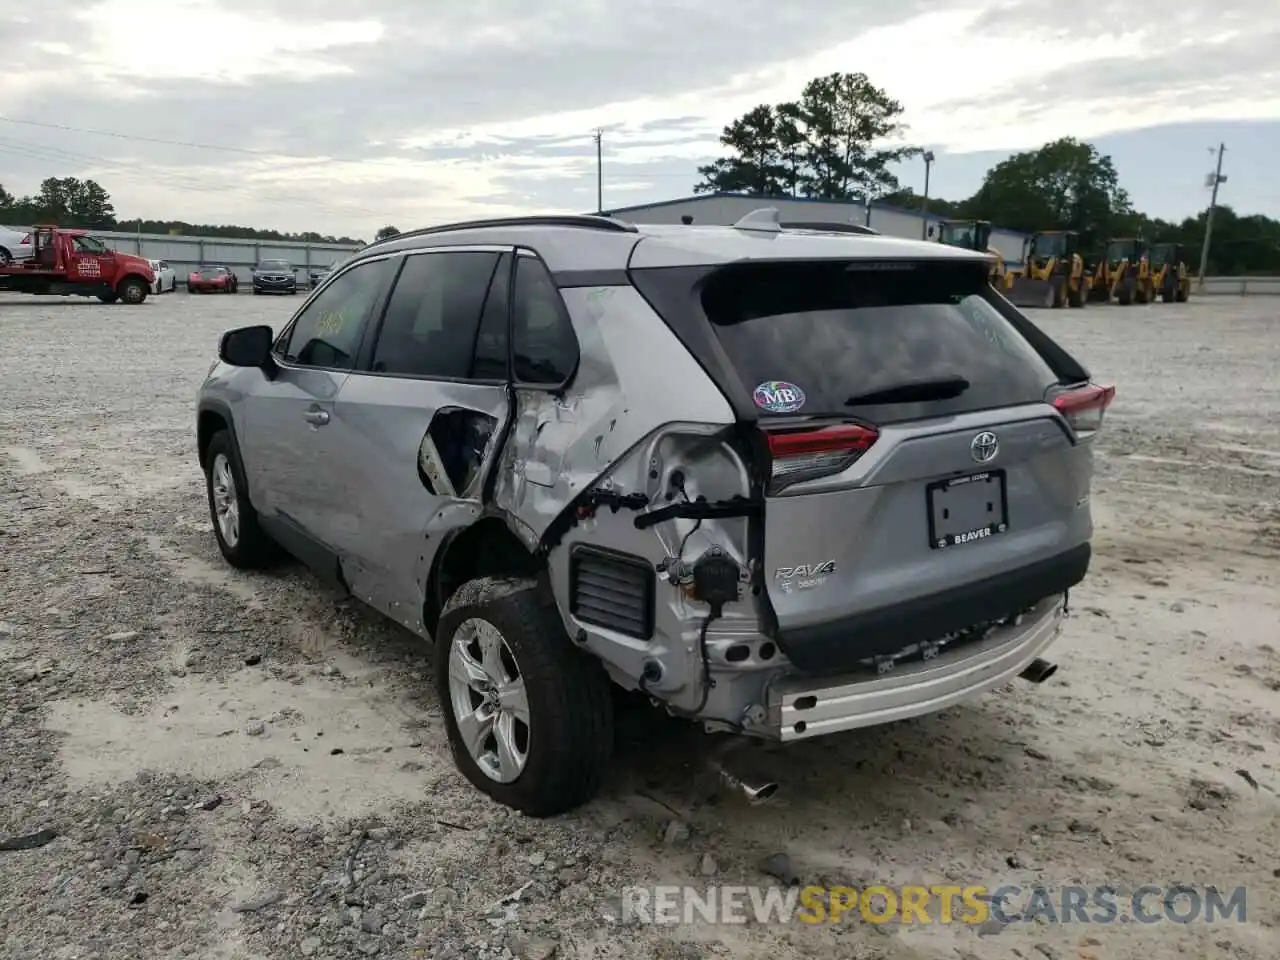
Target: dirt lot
x=249, y=767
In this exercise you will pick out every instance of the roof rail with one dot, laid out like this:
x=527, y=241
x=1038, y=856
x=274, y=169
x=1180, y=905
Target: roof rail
x=581, y=221
x=831, y=227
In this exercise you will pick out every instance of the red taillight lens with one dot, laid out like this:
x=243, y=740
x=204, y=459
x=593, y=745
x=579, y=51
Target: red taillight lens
x=25, y=241
x=807, y=453
x=1084, y=408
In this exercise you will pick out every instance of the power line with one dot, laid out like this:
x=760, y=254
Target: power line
x=190, y=183
x=142, y=139
x=246, y=151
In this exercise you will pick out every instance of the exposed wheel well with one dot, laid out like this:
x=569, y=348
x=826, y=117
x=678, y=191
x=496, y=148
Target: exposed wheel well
x=208, y=424
x=487, y=548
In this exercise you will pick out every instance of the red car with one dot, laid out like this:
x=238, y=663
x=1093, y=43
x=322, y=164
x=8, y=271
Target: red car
x=212, y=280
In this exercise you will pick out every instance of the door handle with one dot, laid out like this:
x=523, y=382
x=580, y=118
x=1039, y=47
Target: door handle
x=317, y=418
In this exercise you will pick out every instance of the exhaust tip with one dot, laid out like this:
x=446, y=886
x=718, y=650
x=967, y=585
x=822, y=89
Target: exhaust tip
x=762, y=792
x=1038, y=671
x=756, y=791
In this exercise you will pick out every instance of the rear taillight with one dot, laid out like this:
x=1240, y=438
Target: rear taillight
x=1083, y=408
x=806, y=453
x=25, y=241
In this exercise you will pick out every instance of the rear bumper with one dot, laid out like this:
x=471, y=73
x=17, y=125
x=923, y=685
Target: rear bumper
x=801, y=708
x=839, y=645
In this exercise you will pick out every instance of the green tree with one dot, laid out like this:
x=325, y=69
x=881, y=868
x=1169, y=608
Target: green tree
x=907, y=199
x=1065, y=184
x=791, y=145
x=6, y=198
x=756, y=165
x=385, y=232
x=69, y=201
x=829, y=144
x=847, y=121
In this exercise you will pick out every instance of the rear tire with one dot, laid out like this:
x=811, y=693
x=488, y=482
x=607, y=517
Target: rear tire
x=6, y=257
x=241, y=539
x=1170, y=292
x=1124, y=293
x=566, y=702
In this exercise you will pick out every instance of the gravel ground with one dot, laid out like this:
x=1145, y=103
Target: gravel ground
x=239, y=766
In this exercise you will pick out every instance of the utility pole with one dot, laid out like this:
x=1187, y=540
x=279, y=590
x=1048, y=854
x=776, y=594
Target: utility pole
x=598, y=137
x=1214, y=179
x=924, y=206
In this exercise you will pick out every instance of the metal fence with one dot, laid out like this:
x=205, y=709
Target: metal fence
x=1238, y=286
x=184, y=254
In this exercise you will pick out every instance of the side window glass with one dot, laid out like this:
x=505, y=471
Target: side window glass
x=544, y=348
x=327, y=332
x=490, y=358
x=432, y=318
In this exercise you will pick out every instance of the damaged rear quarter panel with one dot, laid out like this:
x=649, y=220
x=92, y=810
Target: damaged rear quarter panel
x=633, y=377
x=639, y=409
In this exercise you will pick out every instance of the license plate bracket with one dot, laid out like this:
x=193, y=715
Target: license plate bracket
x=966, y=509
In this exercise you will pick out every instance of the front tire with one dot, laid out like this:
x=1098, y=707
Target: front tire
x=133, y=291
x=529, y=716
x=241, y=539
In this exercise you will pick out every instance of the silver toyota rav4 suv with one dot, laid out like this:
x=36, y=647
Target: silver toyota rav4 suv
x=783, y=482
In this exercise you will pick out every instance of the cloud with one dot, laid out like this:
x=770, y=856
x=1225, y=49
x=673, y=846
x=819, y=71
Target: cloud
x=406, y=112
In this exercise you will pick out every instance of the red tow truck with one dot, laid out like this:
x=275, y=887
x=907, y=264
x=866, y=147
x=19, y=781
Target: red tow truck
x=71, y=263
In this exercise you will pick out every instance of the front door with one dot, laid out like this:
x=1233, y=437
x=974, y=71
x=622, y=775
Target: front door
x=91, y=261
x=417, y=426
x=289, y=417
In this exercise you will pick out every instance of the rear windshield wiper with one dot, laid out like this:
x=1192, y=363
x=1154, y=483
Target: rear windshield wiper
x=920, y=391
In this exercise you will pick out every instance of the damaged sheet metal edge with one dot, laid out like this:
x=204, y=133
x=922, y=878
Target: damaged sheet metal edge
x=611, y=432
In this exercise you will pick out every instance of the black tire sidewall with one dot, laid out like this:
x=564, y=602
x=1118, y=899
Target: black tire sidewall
x=568, y=695
x=252, y=548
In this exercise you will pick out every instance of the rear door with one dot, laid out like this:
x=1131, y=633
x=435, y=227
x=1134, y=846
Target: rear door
x=416, y=427
x=914, y=456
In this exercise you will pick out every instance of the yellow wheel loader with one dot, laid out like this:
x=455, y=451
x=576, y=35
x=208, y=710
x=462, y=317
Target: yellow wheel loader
x=1169, y=275
x=1126, y=271
x=1052, y=274
x=974, y=235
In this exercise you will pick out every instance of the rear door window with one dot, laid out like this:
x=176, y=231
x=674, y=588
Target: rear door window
x=814, y=338
x=433, y=317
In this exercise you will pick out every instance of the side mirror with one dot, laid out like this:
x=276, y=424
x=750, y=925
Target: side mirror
x=246, y=347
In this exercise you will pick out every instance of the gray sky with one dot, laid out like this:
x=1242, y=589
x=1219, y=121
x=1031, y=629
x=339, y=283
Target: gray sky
x=410, y=112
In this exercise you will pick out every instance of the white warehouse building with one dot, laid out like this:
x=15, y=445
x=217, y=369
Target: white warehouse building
x=727, y=208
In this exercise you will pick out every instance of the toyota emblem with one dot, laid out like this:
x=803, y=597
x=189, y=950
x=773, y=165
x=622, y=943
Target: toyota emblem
x=984, y=447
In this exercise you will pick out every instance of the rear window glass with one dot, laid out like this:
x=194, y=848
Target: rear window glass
x=812, y=339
